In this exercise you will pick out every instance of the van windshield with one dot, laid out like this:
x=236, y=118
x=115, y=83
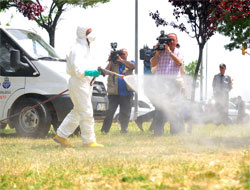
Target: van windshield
x=33, y=44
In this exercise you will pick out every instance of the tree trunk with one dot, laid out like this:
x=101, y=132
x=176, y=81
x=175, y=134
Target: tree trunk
x=51, y=32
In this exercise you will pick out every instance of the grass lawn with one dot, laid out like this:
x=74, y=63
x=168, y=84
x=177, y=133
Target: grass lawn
x=212, y=157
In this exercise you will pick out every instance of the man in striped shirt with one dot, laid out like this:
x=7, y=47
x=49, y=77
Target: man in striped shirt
x=168, y=63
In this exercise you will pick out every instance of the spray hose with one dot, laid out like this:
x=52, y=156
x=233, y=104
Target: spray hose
x=103, y=71
x=35, y=106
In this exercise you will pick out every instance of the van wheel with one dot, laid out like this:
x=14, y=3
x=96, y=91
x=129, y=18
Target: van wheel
x=31, y=122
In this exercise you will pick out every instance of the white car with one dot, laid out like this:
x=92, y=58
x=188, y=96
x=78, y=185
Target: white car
x=232, y=112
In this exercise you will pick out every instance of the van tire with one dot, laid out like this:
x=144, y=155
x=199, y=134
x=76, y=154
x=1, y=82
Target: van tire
x=34, y=123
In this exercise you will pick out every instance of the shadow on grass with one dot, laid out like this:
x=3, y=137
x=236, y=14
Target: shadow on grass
x=8, y=135
x=14, y=135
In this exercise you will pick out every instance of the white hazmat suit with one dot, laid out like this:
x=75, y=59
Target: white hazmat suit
x=80, y=91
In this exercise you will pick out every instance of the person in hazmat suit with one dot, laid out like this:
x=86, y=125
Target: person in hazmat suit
x=80, y=90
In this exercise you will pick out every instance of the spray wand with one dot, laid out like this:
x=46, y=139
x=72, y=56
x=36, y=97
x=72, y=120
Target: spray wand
x=106, y=72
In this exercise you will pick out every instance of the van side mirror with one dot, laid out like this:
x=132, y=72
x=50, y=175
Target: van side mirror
x=15, y=60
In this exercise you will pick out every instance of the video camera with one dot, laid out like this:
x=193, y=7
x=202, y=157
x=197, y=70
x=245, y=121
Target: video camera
x=162, y=40
x=114, y=53
x=146, y=53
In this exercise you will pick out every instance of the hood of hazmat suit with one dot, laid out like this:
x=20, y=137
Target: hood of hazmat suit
x=79, y=58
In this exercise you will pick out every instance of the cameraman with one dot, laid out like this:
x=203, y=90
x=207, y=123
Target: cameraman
x=169, y=63
x=118, y=91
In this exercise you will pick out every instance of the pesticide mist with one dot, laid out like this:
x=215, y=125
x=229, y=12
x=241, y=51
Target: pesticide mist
x=172, y=95
x=166, y=93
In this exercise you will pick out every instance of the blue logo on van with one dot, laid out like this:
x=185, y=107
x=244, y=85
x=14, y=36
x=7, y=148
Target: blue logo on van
x=6, y=83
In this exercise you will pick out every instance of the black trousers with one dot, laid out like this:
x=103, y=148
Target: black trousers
x=144, y=118
x=125, y=103
x=169, y=109
x=175, y=119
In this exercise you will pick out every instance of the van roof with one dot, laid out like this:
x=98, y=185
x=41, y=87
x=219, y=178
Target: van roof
x=19, y=28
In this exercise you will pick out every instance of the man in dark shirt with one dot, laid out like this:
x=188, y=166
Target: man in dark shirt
x=119, y=93
x=222, y=84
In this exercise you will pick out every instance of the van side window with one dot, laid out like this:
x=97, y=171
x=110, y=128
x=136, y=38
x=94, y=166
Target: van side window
x=6, y=44
x=5, y=48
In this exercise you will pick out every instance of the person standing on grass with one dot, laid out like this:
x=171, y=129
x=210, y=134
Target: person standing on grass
x=222, y=85
x=78, y=67
x=119, y=93
x=241, y=106
x=169, y=62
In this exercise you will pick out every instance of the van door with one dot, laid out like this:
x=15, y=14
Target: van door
x=11, y=80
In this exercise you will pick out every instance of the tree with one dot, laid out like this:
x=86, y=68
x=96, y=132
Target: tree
x=33, y=10
x=236, y=24
x=203, y=16
x=27, y=8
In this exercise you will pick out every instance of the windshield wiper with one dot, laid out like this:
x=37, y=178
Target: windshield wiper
x=51, y=58
x=48, y=58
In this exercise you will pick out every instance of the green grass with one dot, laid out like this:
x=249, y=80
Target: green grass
x=212, y=157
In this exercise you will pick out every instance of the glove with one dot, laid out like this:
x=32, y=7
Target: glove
x=101, y=70
x=122, y=77
x=92, y=73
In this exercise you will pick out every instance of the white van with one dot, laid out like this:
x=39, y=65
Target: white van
x=31, y=73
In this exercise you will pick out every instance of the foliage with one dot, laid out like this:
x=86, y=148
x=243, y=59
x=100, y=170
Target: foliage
x=33, y=10
x=238, y=31
x=203, y=24
x=235, y=22
x=28, y=8
x=190, y=68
